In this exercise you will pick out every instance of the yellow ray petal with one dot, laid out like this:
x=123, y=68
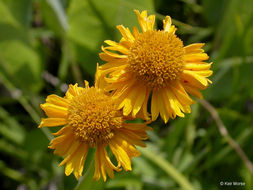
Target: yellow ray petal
x=194, y=48
x=127, y=98
x=194, y=79
x=182, y=96
x=140, y=97
x=137, y=127
x=69, y=168
x=73, y=154
x=63, y=130
x=197, y=67
x=115, y=63
x=115, y=55
x=142, y=18
x=135, y=32
x=70, y=152
x=116, y=47
x=120, y=155
x=102, y=162
x=62, y=148
x=135, y=134
x=54, y=111
x=128, y=147
x=128, y=102
x=150, y=22
x=52, y=122
x=144, y=114
x=191, y=57
x=60, y=139
x=106, y=57
x=72, y=91
x=56, y=100
x=165, y=109
x=79, y=159
x=205, y=73
x=174, y=103
x=167, y=24
x=193, y=91
x=125, y=32
x=154, y=105
x=132, y=137
x=97, y=173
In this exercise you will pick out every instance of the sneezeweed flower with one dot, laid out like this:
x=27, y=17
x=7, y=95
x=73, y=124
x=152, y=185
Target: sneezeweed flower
x=90, y=119
x=154, y=63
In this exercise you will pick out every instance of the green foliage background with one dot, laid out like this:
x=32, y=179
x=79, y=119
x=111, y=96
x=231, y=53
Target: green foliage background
x=46, y=44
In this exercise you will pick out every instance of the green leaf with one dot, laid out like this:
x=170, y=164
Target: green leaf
x=127, y=182
x=35, y=141
x=54, y=16
x=16, y=13
x=10, y=128
x=92, y=22
x=19, y=62
x=86, y=181
x=167, y=167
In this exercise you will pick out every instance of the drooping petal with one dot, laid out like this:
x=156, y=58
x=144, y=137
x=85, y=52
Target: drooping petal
x=128, y=147
x=194, y=79
x=120, y=155
x=182, y=96
x=132, y=137
x=103, y=164
x=162, y=107
x=193, y=91
x=79, y=159
x=154, y=105
x=70, y=152
x=139, y=100
x=175, y=105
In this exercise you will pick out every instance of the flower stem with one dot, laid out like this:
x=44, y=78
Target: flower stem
x=224, y=132
x=168, y=168
x=87, y=182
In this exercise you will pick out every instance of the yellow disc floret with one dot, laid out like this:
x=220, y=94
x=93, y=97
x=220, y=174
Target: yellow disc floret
x=156, y=57
x=93, y=117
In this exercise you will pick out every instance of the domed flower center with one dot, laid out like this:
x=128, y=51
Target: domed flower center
x=93, y=117
x=156, y=57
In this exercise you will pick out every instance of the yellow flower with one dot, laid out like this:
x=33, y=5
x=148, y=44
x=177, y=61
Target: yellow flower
x=90, y=119
x=154, y=62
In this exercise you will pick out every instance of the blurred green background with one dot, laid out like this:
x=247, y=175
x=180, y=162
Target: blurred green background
x=47, y=44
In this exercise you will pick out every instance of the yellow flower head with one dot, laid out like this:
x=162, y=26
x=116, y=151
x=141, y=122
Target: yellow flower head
x=154, y=62
x=90, y=119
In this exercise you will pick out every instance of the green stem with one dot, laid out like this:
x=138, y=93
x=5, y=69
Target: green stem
x=168, y=168
x=35, y=116
x=87, y=182
x=25, y=103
